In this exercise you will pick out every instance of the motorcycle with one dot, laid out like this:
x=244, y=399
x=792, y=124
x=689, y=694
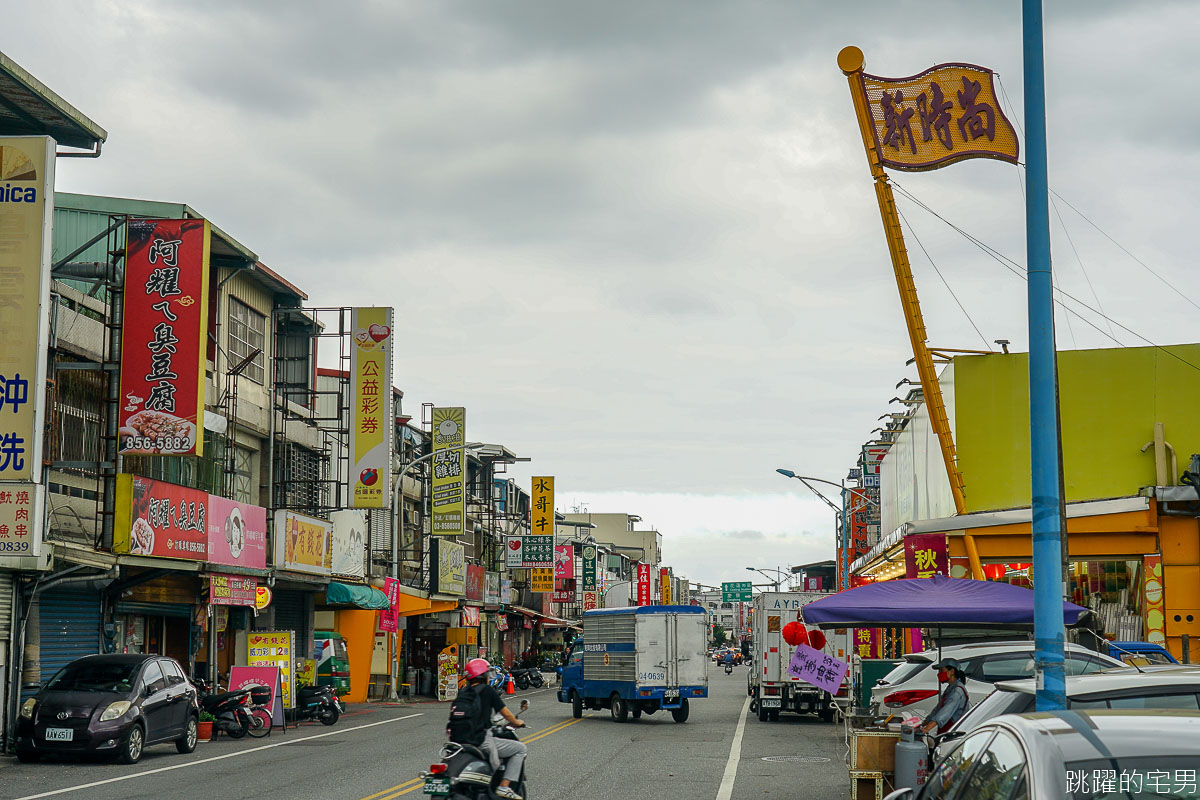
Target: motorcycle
x=232, y=710
x=729, y=669
x=525, y=678
x=465, y=771
x=318, y=702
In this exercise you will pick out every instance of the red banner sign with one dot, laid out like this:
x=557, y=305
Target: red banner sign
x=926, y=555
x=470, y=616
x=868, y=642
x=164, y=337
x=232, y=590
x=643, y=585
x=475, y=579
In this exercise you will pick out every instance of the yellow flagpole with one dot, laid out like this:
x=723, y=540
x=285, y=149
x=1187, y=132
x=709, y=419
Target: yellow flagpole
x=850, y=60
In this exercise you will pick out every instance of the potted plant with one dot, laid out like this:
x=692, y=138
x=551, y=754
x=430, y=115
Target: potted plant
x=204, y=728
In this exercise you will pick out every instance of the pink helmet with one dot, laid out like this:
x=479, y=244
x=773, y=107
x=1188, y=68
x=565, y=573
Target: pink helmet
x=477, y=668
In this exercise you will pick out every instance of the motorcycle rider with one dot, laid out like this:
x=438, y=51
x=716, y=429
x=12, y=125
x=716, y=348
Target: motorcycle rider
x=510, y=752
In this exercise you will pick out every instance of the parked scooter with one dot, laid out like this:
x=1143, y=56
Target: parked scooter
x=466, y=771
x=525, y=678
x=231, y=710
x=318, y=702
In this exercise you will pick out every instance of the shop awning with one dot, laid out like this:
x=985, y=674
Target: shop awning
x=930, y=603
x=547, y=620
x=410, y=606
x=347, y=594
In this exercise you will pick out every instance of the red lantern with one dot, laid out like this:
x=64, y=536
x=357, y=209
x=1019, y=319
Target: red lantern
x=794, y=633
x=816, y=640
x=994, y=571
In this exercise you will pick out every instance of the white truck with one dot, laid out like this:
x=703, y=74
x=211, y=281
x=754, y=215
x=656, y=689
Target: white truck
x=768, y=682
x=637, y=660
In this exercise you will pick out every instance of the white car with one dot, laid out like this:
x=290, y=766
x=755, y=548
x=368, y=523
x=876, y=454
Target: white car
x=911, y=689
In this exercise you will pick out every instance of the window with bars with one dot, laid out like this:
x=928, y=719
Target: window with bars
x=247, y=333
x=78, y=416
x=243, y=475
x=302, y=479
x=206, y=473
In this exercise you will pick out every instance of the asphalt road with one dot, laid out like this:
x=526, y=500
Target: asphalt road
x=376, y=752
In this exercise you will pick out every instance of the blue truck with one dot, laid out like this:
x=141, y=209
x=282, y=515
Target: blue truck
x=1139, y=652
x=638, y=660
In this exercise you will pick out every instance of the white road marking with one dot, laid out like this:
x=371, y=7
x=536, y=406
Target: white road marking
x=212, y=758
x=735, y=755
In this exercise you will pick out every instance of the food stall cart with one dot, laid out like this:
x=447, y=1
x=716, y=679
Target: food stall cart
x=930, y=603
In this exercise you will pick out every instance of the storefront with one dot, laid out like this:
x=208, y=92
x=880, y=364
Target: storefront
x=1126, y=561
x=68, y=627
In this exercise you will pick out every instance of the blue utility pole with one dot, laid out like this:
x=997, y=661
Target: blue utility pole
x=1049, y=631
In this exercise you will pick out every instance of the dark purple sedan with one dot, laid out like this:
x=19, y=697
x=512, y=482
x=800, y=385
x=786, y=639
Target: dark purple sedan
x=117, y=704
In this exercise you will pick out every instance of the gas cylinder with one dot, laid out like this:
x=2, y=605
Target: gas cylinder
x=912, y=760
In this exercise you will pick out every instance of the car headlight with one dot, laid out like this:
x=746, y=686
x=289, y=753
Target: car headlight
x=114, y=711
x=27, y=708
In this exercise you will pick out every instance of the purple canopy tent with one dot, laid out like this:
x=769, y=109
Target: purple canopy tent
x=931, y=603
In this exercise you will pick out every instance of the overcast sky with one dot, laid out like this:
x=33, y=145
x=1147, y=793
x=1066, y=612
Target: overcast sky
x=638, y=241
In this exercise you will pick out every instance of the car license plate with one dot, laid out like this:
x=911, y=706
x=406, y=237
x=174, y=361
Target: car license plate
x=59, y=734
x=770, y=702
x=670, y=693
x=437, y=785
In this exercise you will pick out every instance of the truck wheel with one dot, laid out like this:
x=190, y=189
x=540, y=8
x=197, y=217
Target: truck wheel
x=576, y=705
x=763, y=714
x=826, y=714
x=619, y=708
x=636, y=711
x=680, y=714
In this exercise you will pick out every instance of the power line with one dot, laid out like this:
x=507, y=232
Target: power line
x=945, y=283
x=1017, y=269
x=1122, y=248
x=1079, y=261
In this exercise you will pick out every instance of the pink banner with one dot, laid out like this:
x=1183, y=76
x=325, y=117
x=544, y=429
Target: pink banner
x=232, y=590
x=388, y=618
x=868, y=642
x=821, y=670
x=475, y=580
x=470, y=616
x=564, y=562
x=245, y=677
x=237, y=533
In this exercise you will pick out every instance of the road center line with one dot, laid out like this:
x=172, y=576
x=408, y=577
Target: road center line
x=212, y=758
x=735, y=755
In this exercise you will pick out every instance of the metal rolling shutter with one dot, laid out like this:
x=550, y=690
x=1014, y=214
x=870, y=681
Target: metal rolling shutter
x=70, y=627
x=291, y=614
x=6, y=596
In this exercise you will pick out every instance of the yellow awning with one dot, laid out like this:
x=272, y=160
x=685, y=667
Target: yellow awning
x=410, y=606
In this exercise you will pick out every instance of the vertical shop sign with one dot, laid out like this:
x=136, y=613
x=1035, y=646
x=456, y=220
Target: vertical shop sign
x=664, y=578
x=349, y=542
x=20, y=512
x=388, y=619
x=491, y=589
x=475, y=578
x=26, y=213
x=372, y=421
x=449, y=471
x=564, y=562
x=164, y=337
x=926, y=555
x=541, y=509
x=588, y=578
x=1152, y=594
x=643, y=585
x=514, y=552
x=868, y=642
x=541, y=579
x=274, y=649
x=591, y=601
x=449, y=567
x=506, y=591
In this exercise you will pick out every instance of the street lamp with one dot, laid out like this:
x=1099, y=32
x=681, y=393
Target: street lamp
x=768, y=577
x=840, y=523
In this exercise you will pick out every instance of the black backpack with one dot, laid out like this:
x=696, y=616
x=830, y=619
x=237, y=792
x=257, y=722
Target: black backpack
x=465, y=711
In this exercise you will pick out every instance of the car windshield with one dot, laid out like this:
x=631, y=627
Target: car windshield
x=903, y=672
x=95, y=677
x=995, y=704
x=1140, y=778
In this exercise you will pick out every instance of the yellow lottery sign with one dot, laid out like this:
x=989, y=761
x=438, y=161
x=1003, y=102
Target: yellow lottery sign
x=541, y=579
x=371, y=413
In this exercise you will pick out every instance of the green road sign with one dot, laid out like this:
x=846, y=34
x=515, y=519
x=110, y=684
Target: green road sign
x=736, y=591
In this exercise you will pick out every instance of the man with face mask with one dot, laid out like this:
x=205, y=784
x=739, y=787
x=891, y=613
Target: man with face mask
x=954, y=701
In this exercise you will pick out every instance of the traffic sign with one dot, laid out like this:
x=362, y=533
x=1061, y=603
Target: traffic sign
x=736, y=591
